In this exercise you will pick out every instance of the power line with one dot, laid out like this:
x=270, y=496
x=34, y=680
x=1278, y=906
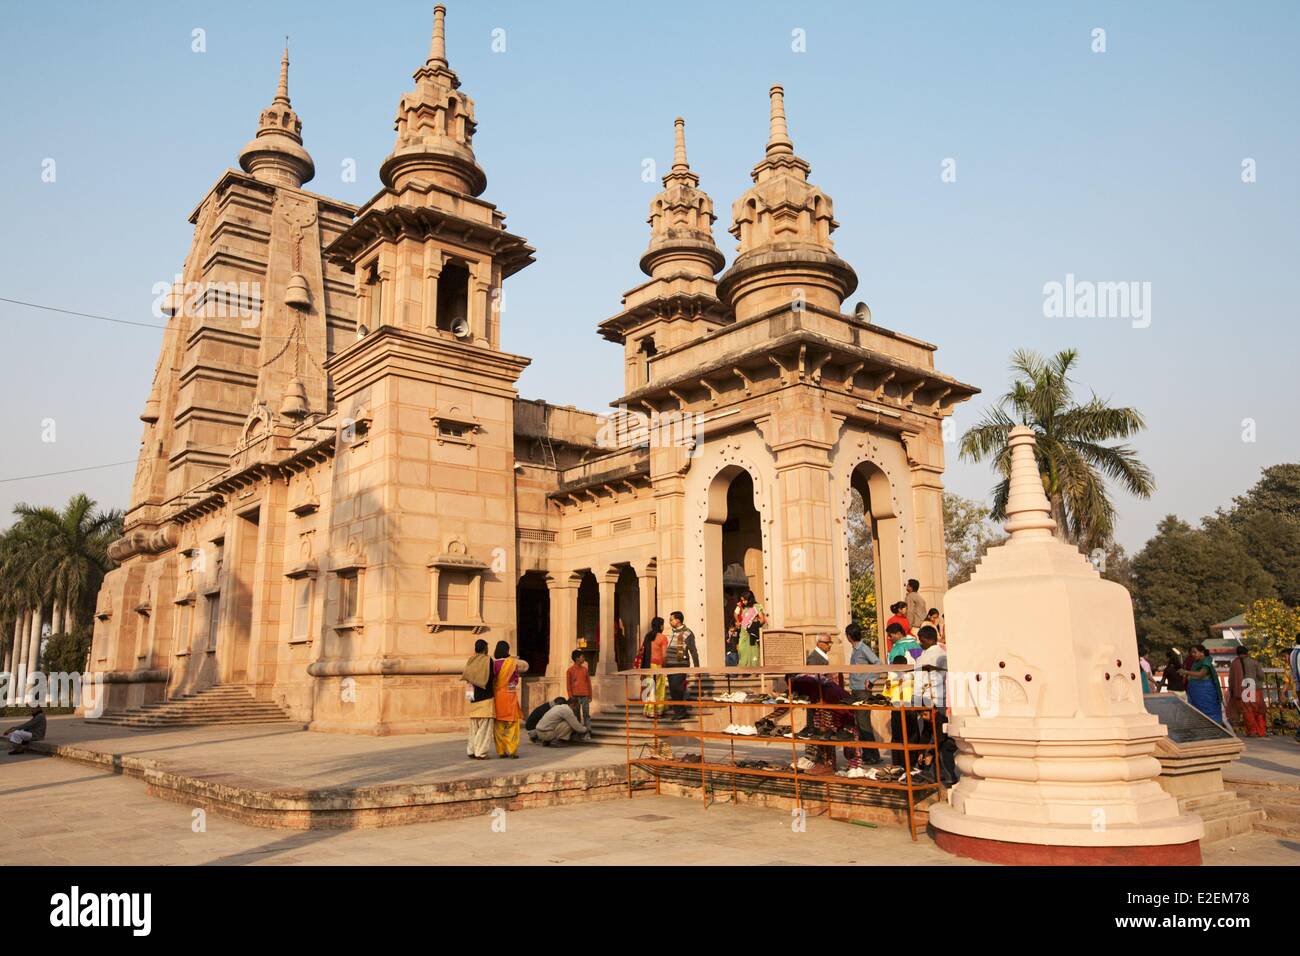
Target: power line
x=84, y=315
x=143, y=325
x=69, y=471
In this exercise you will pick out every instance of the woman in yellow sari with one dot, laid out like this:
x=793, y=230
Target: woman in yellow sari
x=505, y=694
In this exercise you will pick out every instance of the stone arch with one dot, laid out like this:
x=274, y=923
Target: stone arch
x=864, y=464
x=709, y=543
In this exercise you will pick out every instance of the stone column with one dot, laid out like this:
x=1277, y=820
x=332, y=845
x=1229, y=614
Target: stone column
x=608, y=663
x=646, y=583
x=433, y=261
x=929, y=558
x=804, y=498
x=564, y=623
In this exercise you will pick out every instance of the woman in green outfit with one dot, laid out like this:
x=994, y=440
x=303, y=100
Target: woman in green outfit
x=1203, y=690
x=750, y=620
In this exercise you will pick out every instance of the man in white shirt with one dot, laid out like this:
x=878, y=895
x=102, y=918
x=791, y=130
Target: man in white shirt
x=932, y=692
x=933, y=664
x=557, y=725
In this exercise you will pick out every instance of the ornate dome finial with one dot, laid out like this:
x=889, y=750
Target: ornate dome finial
x=681, y=221
x=783, y=224
x=275, y=154
x=435, y=127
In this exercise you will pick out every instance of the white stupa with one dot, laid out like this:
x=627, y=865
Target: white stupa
x=1055, y=747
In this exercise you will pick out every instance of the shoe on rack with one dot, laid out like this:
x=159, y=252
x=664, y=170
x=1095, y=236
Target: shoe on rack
x=845, y=734
x=856, y=773
x=805, y=764
x=808, y=733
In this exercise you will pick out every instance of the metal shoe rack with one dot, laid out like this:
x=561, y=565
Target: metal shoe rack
x=804, y=782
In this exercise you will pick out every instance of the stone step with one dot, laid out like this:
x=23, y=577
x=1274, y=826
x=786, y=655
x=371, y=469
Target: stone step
x=224, y=704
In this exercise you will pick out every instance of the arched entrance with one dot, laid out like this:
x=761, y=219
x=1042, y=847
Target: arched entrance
x=533, y=621
x=877, y=522
x=733, y=544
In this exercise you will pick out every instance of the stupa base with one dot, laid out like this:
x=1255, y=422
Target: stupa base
x=1175, y=842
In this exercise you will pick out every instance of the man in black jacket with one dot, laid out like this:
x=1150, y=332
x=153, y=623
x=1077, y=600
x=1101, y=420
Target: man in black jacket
x=23, y=734
x=681, y=652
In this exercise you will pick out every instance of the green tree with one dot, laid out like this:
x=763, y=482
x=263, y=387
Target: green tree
x=1274, y=628
x=1073, y=455
x=1185, y=579
x=1267, y=518
x=50, y=557
x=968, y=532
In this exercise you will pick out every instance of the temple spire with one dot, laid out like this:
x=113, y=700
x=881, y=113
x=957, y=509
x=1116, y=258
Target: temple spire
x=438, y=45
x=679, y=148
x=778, y=135
x=275, y=154
x=435, y=127
x=282, y=94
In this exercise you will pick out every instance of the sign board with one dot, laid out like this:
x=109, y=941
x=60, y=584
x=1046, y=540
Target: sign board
x=782, y=649
x=1186, y=724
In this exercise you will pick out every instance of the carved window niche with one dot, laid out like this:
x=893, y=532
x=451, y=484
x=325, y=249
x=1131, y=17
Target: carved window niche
x=456, y=591
x=306, y=503
x=454, y=425
x=351, y=578
x=304, y=591
x=185, y=604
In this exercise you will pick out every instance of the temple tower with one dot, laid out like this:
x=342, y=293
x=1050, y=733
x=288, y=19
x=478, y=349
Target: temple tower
x=422, y=537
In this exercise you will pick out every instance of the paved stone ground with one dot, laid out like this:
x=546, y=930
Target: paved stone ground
x=63, y=813
x=55, y=811
x=1267, y=760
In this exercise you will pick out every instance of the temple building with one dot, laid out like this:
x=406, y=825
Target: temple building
x=340, y=489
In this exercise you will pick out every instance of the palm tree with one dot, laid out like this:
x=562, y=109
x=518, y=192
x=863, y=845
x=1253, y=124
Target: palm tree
x=56, y=558
x=67, y=552
x=1072, y=454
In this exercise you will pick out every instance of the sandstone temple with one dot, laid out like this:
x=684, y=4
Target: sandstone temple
x=340, y=489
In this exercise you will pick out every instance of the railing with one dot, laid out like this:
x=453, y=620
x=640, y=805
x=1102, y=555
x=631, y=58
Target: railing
x=802, y=780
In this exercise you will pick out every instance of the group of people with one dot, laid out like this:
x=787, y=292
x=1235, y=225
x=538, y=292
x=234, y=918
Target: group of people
x=662, y=648
x=923, y=685
x=496, y=715
x=1196, y=678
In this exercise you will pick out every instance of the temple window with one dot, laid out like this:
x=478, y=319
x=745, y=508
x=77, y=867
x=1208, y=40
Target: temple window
x=453, y=297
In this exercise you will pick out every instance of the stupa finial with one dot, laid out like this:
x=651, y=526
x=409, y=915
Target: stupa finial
x=1029, y=513
x=438, y=45
x=778, y=134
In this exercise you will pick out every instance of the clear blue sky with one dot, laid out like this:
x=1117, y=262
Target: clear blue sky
x=1123, y=165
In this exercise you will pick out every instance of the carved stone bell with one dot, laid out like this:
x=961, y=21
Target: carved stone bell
x=297, y=295
x=294, y=405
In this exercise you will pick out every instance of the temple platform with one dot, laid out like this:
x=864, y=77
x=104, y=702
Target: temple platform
x=279, y=776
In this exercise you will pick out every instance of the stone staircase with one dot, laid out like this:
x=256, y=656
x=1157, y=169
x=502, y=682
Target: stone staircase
x=224, y=704
x=608, y=727
x=1280, y=804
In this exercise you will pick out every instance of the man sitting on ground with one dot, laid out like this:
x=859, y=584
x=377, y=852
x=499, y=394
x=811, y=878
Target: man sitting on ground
x=534, y=716
x=23, y=734
x=557, y=725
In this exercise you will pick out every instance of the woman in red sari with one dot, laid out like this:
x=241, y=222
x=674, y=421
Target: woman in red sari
x=505, y=687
